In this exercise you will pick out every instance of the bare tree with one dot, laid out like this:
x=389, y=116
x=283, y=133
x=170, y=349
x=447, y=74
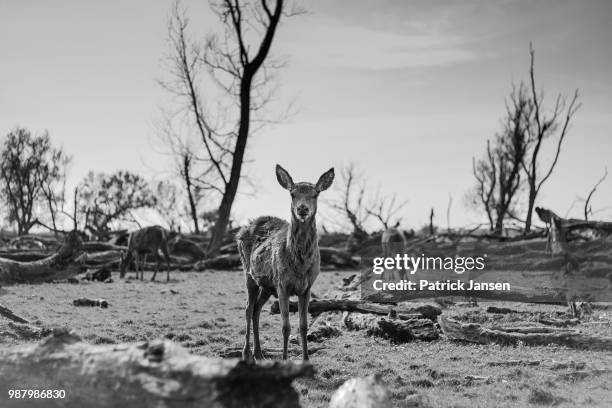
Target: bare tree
x=53, y=187
x=30, y=173
x=498, y=175
x=168, y=204
x=384, y=209
x=238, y=61
x=587, y=203
x=108, y=198
x=542, y=126
x=351, y=203
x=186, y=167
x=485, y=173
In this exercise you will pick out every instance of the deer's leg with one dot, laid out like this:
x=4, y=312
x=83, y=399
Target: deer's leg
x=283, y=302
x=136, y=258
x=252, y=291
x=157, y=266
x=144, y=264
x=262, y=298
x=165, y=251
x=303, y=301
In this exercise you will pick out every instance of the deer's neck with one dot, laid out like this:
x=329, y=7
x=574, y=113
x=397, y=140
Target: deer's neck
x=302, y=240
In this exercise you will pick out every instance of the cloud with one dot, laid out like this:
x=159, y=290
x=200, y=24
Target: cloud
x=330, y=45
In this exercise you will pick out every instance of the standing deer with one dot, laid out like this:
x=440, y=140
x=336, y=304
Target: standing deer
x=282, y=259
x=393, y=242
x=148, y=240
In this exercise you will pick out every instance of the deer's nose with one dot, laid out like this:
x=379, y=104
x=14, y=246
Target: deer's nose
x=302, y=211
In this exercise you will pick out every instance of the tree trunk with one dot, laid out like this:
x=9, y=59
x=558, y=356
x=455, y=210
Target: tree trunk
x=399, y=331
x=160, y=374
x=531, y=336
x=530, y=208
x=8, y=313
x=192, y=204
x=63, y=264
x=231, y=187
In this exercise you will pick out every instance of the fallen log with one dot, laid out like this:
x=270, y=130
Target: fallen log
x=96, y=246
x=24, y=331
x=8, y=313
x=336, y=258
x=33, y=242
x=24, y=256
x=501, y=310
x=159, y=373
x=91, y=302
x=513, y=363
x=347, y=305
x=570, y=224
x=98, y=259
x=223, y=262
x=398, y=331
x=558, y=322
x=183, y=246
x=475, y=333
x=65, y=263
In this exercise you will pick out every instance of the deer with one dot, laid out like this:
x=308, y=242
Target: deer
x=148, y=240
x=282, y=258
x=393, y=242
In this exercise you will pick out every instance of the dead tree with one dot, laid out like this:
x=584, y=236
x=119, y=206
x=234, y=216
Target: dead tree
x=498, y=175
x=529, y=336
x=30, y=171
x=396, y=330
x=541, y=127
x=187, y=166
x=170, y=205
x=239, y=63
x=65, y=263
x=384, y=209
x=351, y=203
x=485, y=173
x=587, y=209
x=108, y=198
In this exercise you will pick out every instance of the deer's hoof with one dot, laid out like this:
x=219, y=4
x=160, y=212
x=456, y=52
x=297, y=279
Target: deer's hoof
x=247, y=355
x=259, y=356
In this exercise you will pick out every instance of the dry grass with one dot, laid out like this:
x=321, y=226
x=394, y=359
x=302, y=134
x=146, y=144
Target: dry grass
x=207, y=311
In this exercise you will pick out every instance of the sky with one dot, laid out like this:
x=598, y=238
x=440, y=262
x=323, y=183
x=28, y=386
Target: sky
x=407, y=90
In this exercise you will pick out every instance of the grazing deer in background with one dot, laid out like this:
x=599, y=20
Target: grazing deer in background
x=148, y=240
x=393, y=242
x=282, y=258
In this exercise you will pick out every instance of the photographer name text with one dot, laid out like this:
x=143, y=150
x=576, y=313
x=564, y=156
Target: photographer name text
x=448, y=285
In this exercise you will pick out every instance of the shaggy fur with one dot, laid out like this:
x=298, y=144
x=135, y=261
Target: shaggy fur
x=282, y=259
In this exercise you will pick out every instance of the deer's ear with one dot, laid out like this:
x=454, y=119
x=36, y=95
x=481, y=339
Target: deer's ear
x=326, y=180
x=283, y=177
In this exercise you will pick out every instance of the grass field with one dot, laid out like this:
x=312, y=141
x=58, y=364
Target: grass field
x=205, y=313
